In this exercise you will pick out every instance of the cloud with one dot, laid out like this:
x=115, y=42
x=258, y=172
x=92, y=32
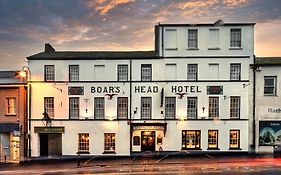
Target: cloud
x=104, y=6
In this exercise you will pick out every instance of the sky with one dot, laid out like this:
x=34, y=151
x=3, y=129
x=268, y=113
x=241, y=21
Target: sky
x=100, y=25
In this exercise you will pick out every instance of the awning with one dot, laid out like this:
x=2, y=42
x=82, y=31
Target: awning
x=149, y=126
x=9, y=127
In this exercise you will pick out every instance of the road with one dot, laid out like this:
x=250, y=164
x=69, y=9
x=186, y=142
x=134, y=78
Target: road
x=210, y=165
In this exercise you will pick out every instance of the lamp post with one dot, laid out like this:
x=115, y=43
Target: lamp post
x=27, y=75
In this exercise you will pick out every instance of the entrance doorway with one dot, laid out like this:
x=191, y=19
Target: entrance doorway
x=147, y=140
x=50, y=144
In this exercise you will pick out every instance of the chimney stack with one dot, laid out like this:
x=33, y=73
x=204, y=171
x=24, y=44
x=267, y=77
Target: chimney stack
x=49, y=48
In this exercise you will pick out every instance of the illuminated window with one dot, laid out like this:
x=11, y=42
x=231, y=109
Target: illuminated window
x=99, y=107
x=234, y=107
x=170, y=107
x=191, y=139
x=74, y=73
x=234, y=139
x=146, y=107
x=191, y=107
x=49, y=73
x=270, y=85
x=146, y=72
x=213, y=107
x=192, y=71
x=212, y=139
x=109, y=142
x=122, y=107
x=235, y=37
x=11, y=106
x=192, y=38
x=49, y=106
x=74, y=107
x=122, y=72
x=83, y=143
x=235, y=70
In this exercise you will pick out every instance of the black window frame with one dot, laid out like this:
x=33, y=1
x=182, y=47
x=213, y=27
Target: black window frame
x=146, y=66
x=70, y=74
x=45, y=73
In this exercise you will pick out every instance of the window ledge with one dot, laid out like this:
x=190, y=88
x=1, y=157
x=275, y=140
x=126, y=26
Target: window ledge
x=213, y=149
x=190, y=48
x=214, y=48
x=109, y=152
x=171, y=48
x=199, y=149
x=235, y=149
x=235, y=48
x=83, y=152
x=271, y=95
x=10, y=115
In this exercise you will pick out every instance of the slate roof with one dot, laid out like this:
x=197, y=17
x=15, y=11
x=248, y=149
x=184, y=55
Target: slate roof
x=92, y=55
x=9, y=77
x=268, y=60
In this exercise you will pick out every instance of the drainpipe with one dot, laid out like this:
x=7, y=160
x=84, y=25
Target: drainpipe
x=254, y=106
x=130, y=120
x=29, y=121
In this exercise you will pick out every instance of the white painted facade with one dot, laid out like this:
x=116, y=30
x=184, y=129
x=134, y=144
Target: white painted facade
x=268, y=114
x=169, y=72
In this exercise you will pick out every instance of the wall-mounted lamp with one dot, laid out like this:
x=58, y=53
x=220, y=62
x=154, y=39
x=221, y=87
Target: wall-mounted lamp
x=180, y=119
x=136, y=110
x=181, y=95
x=59, y=89
x=110, y=96
x=86, y=101
x=226, y=97
x=245, y=85
x=203, y=109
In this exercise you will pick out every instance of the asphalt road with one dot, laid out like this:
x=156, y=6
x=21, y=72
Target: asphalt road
x=166, y=165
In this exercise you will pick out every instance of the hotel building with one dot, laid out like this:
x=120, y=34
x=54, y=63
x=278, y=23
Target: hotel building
x=192, y=93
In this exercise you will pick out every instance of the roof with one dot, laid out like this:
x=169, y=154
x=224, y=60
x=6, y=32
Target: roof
x=10, y=77
x=268, y=60
x=217, y=23
x=92, y=55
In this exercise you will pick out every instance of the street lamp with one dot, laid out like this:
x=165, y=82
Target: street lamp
x=26, y=73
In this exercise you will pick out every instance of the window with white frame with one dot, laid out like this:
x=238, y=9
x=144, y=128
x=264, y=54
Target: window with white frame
x=235, y=71
x=234, y=139
x=192, y=71
x=99, y=107
x=146, y=72
x=83, y=142
x=122, y=72
x=49, y=73
x=170, y=39
x=49, y=106
x=11, y=106
x=212, y=139
x=171, y=71
x=170, y=107
x=191, y=139
x=213, y=107
x=234, y=107
x=235, y=38
x=109, y=142
x=214, y=38
x=270, y=85
x=192, y=38
x=99, y=72
x=146, y=105
x=74, y=107
x=122, y=107
x=73, y=72
x=191, y=107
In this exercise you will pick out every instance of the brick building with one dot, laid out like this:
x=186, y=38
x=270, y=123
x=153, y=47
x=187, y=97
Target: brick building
x=13, y=116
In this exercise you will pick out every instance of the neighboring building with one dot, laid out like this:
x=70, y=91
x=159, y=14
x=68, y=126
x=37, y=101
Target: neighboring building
x=192, y=93
x=13, y=116
x=267, y=103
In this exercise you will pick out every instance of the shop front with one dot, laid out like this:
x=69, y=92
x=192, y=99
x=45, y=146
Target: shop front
x=148, y=136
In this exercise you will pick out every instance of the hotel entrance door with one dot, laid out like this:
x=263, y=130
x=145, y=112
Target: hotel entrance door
x=148, y=141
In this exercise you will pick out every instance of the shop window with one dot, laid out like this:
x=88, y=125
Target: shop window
x=213, y=139
x=109, y=142
x=83, y=142
x=234, y=139
x=191, y=139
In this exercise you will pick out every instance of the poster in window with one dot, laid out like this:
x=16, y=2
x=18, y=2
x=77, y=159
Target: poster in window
x=136, y=140
x=269, y=133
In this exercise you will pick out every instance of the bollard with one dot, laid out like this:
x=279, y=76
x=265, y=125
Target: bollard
x=78, y=159
x=5, y=158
